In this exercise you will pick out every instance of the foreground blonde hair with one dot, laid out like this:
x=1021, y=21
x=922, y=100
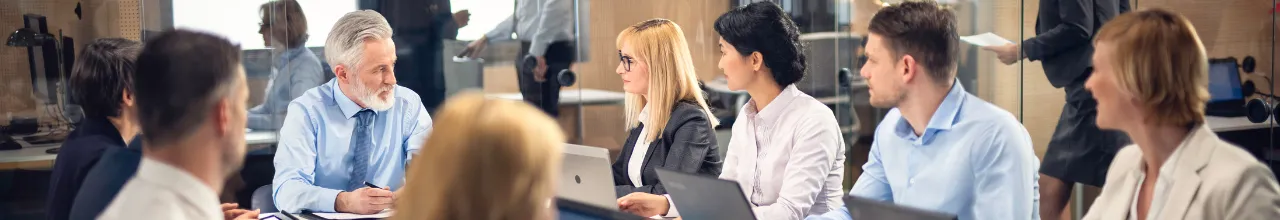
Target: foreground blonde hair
x=486, y=159
x=660, y=44
x=1160, y=59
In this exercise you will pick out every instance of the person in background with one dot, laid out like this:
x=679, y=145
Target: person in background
x=545, y=31
x=1079, y=151
x=421, y=26
x=359, y=128
x=939, y=148
x=786, y=150
x=102, y=82
x=294, y=70
x=1151, y=81
x=190, y=94
x=485, y=166
x=662, y=89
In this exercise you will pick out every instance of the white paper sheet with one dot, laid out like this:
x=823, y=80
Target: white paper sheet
x=986, y=39
x=381, y=215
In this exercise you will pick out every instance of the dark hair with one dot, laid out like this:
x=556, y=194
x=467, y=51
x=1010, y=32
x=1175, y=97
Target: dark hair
x=763, y=27
x=924, y=31
x=181, y=74
x=102, y=75
x=295, y=22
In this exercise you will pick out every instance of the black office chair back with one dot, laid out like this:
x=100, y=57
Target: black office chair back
x=104, y=181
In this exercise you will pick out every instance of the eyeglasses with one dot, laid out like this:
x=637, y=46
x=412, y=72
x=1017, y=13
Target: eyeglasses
x=263, y=25
x=625, y=60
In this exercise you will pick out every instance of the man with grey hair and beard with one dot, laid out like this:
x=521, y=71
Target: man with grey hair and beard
x=357, y=130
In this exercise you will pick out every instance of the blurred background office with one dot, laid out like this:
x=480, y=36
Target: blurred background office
x=35, y=113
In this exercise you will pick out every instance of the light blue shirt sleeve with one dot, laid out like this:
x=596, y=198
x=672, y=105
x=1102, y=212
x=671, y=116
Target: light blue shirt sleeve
x=306, y=75
x=556, y=16
x=419, y=130
x=872, y=184
x=295, y=77
x=1001, y=171
x=294, y=185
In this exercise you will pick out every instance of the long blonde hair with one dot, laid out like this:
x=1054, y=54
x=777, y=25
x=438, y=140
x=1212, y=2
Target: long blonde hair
x=660, y=44
x=486, y=160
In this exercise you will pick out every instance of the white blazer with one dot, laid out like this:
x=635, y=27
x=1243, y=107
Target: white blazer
x=1213, y=179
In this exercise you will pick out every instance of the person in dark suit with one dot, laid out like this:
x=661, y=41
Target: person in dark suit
x=420, y=27
x=671, y=125
x=101, y=81
x=1079, y=152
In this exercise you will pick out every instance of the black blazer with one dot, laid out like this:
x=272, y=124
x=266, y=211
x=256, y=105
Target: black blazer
x=688, y=144
x=1064, y=40
x=79, y=153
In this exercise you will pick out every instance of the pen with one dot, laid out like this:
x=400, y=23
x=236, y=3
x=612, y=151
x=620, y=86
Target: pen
x=370, y=185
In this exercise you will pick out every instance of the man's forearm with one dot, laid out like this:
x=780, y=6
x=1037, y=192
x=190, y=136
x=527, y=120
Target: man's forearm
x=295, y=196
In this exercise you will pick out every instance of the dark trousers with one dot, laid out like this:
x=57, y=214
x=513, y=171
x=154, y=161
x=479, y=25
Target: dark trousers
x=545, y=95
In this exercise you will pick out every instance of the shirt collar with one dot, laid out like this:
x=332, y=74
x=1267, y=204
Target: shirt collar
x=644, y=114
x=943, y=118
x=101, y=126
x=177, y=181
x=775, y=108
x=287, y=55
x=349, y=108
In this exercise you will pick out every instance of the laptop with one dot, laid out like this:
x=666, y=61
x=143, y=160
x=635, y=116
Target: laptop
x=1226, y=95
x=574, y=210
x=705, y=197
x=586, y=176
x=863, y=208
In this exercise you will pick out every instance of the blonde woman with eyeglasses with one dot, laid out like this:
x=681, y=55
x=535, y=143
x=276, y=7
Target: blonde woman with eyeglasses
x=670, y=124
x=497, y=161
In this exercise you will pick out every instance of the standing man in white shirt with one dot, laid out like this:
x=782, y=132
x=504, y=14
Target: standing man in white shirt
x=191, y=95
x=545, y=30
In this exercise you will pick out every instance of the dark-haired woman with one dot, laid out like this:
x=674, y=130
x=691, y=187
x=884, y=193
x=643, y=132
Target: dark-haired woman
x=786, y=151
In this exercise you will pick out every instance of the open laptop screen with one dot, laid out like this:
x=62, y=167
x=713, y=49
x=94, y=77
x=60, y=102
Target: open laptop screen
x=1224, y=81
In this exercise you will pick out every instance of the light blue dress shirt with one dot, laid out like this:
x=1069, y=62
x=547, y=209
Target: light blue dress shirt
x=293, y=73
x=974, y=160
x=312, y=160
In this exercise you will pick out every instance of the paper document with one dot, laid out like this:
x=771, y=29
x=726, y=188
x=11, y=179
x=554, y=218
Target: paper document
x=986, y=39
x=381, y=215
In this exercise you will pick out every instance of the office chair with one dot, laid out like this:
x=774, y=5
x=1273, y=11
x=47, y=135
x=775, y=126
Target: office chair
x=263, y=201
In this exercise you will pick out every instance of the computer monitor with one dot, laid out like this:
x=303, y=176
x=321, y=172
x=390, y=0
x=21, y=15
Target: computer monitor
x=1224, y=81
x=43, y=60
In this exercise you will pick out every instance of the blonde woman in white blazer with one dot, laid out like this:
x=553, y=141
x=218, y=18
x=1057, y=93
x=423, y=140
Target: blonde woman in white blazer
x=1150, y=79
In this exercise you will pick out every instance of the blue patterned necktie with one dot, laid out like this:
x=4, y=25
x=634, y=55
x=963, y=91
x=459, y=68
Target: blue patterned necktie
x=361, y=144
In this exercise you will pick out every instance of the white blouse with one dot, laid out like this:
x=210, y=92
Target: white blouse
x=788, y=158
x=636, y=161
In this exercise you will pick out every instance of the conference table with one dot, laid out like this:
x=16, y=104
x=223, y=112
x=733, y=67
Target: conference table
x=35, y=156
x=1226, y=124
x=573, y=97
x=570, y=99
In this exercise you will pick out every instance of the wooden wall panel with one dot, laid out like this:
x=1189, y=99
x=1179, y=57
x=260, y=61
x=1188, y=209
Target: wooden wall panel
x=99, y=20
x=1235, y=28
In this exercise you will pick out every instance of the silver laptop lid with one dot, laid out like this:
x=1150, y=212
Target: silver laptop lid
x=586, y=176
